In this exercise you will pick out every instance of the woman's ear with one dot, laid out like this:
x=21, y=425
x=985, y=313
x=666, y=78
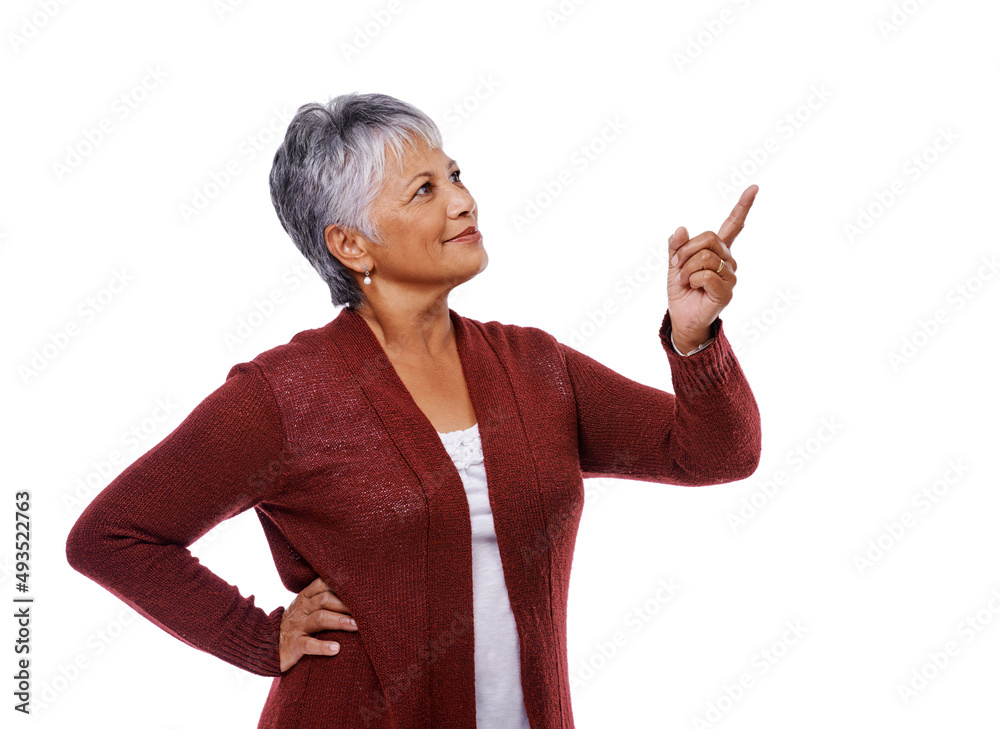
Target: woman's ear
x=344, y=245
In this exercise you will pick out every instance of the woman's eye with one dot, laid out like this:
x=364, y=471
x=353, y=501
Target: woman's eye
x=454, y=174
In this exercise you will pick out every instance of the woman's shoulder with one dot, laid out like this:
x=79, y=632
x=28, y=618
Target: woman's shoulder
x=309, y=356
x=304, y=346
x=510, y=335
x=516, y=343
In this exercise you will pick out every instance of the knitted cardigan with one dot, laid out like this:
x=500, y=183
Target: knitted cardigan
x=351, y=483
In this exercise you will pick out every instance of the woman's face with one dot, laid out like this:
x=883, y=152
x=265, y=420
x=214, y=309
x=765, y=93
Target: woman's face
x=420, y=208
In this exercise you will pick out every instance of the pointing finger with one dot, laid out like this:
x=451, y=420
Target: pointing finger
x=732, y=225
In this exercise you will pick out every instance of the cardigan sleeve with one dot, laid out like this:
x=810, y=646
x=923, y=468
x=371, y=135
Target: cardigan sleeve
x=133, y=538
x=706, y=432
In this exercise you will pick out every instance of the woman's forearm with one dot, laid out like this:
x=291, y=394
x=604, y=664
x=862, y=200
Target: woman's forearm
x=707, y=431
x=133, y=538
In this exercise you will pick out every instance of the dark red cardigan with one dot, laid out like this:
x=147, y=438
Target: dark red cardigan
x=352, y=483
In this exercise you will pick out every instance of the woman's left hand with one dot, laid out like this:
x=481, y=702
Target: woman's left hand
x=697, y=290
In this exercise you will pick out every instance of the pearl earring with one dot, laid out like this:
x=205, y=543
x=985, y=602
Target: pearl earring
x=368, y=279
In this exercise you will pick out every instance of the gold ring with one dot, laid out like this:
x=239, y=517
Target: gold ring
x=722, y=265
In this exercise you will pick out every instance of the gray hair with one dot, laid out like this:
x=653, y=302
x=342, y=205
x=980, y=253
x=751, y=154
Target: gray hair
x=330, y=168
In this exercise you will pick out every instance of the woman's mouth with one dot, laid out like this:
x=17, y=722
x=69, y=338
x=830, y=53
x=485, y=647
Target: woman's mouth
x=469, y=235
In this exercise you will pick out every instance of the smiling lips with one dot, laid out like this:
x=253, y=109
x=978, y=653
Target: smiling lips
x=468, y=233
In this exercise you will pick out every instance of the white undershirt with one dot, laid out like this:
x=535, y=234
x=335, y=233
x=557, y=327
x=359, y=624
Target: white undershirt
x=499, y=700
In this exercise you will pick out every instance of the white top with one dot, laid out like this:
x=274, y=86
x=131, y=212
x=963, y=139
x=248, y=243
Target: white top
x=499, y=700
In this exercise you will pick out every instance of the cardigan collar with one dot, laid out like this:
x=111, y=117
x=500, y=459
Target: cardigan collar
x=512, y=485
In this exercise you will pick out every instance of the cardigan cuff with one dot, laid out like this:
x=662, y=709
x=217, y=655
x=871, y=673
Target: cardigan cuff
x=703, y=370
x=254, y=648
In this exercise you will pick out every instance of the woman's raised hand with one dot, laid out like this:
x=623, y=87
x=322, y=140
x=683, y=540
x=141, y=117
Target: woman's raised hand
x=314, y=609
x=697, y=289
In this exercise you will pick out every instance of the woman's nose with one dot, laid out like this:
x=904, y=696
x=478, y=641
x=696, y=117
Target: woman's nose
x=461, y=202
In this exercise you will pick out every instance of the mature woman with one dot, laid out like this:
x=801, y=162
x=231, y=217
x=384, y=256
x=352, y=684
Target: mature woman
x=413, y=469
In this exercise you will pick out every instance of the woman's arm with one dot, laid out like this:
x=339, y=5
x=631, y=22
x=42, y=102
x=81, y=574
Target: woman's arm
x=133, y=538
x=706, y=432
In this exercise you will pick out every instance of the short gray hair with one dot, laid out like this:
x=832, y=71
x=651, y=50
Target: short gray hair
x=330, y=168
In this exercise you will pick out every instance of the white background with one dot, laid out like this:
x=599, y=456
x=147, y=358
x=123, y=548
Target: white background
x=824, y=105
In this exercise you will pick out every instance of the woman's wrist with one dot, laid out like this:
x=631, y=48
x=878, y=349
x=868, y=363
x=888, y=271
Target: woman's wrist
x=688, y=342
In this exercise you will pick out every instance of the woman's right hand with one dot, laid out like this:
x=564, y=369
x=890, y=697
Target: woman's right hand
x=314, y=609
